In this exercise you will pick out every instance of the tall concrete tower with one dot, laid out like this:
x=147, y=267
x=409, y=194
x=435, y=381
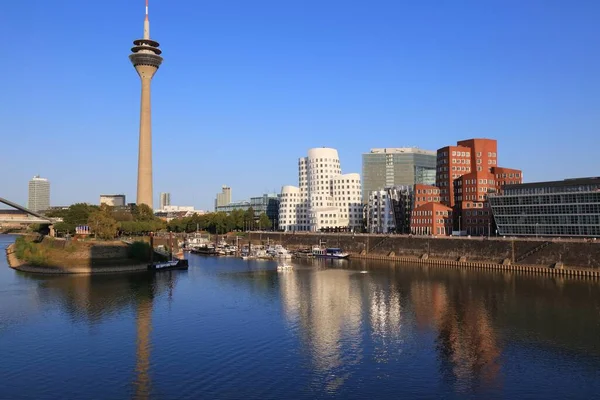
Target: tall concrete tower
x=146, y=59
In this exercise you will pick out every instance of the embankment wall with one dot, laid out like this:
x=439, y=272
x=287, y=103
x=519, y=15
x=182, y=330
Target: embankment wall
x=577, y=254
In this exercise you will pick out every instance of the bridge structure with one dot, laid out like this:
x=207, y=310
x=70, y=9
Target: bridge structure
x=25, y=217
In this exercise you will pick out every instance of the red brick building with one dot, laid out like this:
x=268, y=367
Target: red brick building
x=426, y=194
x=431, y=219
x=465, y=174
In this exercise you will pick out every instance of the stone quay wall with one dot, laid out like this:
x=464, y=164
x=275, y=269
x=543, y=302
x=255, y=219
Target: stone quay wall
x=539, y=252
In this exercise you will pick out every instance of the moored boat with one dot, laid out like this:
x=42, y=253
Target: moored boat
x=329, y=252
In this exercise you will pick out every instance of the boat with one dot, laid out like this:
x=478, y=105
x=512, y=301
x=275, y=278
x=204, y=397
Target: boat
x=329, y=252
x=279, y=252
x=206, y=249
x=285, y=267
x=168, y=265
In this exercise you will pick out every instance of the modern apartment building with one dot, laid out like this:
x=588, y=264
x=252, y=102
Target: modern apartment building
x=113, y=200
x=223, y=198
x=39, y=194
x=324, y=199
x=560, y=208
x=404, y=166
x=388, y=210
x=165, y=200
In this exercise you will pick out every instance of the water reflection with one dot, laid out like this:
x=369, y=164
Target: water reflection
x=325, y=305
x=344, y=315
x=94, y=298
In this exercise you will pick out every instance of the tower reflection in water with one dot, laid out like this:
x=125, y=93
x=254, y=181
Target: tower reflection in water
x=344, y=315
x=93, y=298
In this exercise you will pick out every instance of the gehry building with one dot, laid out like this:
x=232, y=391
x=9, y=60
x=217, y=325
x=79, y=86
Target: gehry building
x=326, y=199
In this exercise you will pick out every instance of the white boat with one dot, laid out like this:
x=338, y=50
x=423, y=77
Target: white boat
x=285, y=267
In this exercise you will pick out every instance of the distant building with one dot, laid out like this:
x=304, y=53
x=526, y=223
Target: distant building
x=403, y=166
x=39, y=194
x=171, y=212
x=268, y=204
x=165, y=200
x=113, y=200
x=560, y=208
x=223, y=198
x=388, y=210
x=325, y=199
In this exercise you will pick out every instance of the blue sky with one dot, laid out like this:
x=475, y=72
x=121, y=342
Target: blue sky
x=247, y=87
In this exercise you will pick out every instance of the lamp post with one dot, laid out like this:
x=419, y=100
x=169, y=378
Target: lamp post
x=459, y=230
x=489, y=223
x=536, y=229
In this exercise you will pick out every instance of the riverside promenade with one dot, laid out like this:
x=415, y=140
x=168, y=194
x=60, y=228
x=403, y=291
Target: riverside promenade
x=552, y=256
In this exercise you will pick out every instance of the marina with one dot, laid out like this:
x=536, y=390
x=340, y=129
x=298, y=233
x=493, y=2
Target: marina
x=322, y=329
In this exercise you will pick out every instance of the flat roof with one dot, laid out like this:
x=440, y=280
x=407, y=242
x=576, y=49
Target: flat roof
x=565, y=182
x=401, y=150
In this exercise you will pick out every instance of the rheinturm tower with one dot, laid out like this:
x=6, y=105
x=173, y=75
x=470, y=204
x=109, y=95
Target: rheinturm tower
x=146, y=59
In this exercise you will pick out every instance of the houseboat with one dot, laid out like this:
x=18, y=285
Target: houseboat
x=330, y=252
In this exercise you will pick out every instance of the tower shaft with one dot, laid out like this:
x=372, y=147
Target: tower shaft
x=144, y=181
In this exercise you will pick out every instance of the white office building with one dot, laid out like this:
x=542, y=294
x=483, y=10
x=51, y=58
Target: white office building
x=388, y=210
x=39, y=194
x=324, y=199
x=113, y=200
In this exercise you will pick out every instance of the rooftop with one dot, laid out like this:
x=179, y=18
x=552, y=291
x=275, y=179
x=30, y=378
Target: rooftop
x=401, y=150
x=563, y=183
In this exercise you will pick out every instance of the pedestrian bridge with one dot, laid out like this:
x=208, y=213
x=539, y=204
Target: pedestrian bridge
x=30, y=217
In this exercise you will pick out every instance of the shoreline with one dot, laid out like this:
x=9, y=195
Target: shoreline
x=19, y=265
x=444, y=263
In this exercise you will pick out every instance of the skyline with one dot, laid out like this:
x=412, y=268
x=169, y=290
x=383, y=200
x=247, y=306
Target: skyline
x=279, y=79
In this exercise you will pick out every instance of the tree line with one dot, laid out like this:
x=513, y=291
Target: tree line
x=106, y=222
x=221, y=222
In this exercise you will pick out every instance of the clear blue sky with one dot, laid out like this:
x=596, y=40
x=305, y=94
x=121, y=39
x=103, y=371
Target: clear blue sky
x=247, y=87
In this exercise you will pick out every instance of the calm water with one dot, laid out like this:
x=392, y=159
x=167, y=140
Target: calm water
x=233, y=329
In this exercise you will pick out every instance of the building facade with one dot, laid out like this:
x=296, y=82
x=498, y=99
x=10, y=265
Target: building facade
x=267, y=204
x=223, y=198
x=559, y=208
x=113, y=200
x=388, y=210
x=404, y=166
x=325, y=198
x=165, y=200
x=466, y=174
x=39, y=194
x=431, y=219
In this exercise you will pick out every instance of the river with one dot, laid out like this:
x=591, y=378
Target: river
x=234, y=329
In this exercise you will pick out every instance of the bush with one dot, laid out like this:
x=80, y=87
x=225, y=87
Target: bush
x=30, y=252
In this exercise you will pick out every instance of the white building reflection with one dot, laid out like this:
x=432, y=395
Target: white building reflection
x=334, y=311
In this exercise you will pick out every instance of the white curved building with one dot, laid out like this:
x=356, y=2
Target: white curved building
x=325, y=199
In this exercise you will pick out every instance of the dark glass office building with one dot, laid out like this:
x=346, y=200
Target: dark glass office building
x=566, y=208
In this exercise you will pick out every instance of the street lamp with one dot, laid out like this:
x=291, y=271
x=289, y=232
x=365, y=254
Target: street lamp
x=459, y=230
x=536, y=229
x=489, y=228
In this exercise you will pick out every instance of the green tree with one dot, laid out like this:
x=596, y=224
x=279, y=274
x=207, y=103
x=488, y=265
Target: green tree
x=142, y=212
x=249, y=218
x=264, y=222
x=237, y=219
x=102, y=224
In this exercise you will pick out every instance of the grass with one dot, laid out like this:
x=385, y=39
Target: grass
x=30, y=252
